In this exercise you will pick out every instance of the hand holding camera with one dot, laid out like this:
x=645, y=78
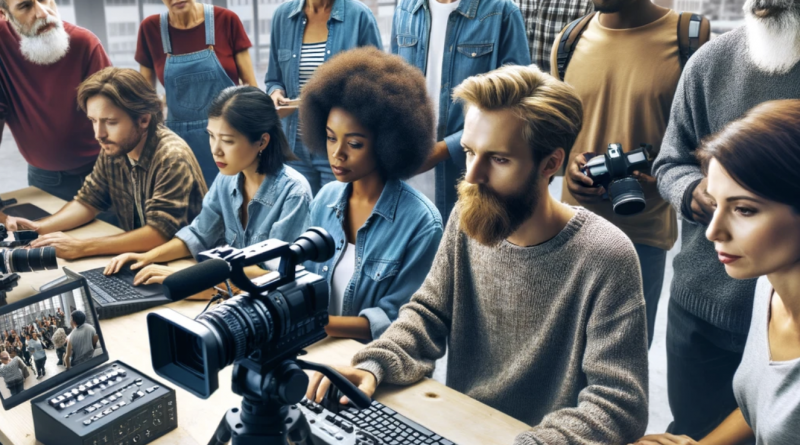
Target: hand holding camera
x=581, y=186
x=620, y=173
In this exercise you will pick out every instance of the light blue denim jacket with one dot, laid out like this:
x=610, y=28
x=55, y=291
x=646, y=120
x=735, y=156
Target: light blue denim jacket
x=482, y=35
x=394, y=249
x=351, y=25
x=278, y=210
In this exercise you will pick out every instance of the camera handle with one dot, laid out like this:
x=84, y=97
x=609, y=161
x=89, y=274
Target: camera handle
x=267, y=415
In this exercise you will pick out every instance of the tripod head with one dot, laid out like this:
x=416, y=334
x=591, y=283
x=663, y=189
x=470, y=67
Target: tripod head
x=268, y=415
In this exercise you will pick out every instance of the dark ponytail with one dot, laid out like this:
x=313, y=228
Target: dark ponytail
x=252, y=113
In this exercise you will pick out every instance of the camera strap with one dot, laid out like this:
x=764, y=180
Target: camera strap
x=694, y=31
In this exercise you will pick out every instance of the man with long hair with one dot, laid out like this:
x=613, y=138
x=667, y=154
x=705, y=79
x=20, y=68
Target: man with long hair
x=145, y=171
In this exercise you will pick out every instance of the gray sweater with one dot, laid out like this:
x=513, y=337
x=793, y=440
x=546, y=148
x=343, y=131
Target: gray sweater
x=553, y=335
x=767, y=391
x=719, y=85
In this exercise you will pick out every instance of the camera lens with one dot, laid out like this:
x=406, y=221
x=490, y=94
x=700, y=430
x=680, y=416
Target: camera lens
x=241, y=324
x=30, y=260
x=627, y=197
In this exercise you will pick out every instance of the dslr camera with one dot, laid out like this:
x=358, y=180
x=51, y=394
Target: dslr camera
x=259, y=330
x=614, y=171
x=24, y=260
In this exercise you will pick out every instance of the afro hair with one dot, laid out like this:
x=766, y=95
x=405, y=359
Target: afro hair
x=385, y=94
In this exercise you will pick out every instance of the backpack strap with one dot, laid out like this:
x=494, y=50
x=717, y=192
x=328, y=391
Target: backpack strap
x=694, y=30
x=569, y=40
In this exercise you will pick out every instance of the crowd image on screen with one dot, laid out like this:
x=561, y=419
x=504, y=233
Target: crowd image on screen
x=44, y=339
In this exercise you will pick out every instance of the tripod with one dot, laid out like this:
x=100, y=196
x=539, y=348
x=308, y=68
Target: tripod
x=267, y=415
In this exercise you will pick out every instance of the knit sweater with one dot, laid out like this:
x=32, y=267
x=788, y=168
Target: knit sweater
x=553, y=335
x=719, y=84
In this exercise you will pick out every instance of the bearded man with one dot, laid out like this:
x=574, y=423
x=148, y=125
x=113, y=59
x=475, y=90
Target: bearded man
x=42, y=62
x=539, y=304
x=709, y=312
x=146, y=172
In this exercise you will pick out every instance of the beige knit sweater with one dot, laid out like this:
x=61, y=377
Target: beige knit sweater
x=553, y=335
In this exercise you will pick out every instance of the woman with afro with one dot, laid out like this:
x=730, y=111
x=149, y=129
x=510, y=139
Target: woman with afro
x=370, y=113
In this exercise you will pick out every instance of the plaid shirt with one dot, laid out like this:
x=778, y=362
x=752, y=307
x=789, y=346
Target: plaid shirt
x=544, y=20
x=164, y=189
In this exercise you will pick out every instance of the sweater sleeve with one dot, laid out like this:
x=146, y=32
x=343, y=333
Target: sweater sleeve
x=612, y=408
x=407, y=351
x=676, y=168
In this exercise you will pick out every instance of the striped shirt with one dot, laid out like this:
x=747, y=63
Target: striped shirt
x=312, y=55
x=544, y=20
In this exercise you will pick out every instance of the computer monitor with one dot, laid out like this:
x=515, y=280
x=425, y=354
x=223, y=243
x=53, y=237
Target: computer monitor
x=48, y=314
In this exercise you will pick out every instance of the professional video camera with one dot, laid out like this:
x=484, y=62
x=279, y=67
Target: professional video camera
x=261, y=332
x=22, y=260
x=614, y=171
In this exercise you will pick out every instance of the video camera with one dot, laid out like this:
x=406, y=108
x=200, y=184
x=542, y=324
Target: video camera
x=260, y=332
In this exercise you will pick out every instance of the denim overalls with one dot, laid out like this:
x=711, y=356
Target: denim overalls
x=192, y=81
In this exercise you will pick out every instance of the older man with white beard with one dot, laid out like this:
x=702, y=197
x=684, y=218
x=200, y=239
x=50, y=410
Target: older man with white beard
x=709, y=313
x=44, y=60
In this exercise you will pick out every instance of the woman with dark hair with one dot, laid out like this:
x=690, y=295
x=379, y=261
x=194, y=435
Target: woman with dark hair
x=256, y=197
x=305, y=34
x=369, y=111
x=752, y=167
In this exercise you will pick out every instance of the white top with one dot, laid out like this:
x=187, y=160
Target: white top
x=312, y=55
x=342, y=274
x=440, y=12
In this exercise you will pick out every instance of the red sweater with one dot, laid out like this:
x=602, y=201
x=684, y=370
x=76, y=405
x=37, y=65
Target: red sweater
x=39, y=102
x=229, y=38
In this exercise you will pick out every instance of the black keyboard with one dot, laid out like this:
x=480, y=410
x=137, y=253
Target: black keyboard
x=376, y=425
x=108, y=289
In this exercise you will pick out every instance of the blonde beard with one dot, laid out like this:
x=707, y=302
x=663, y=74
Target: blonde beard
x=773, y=44
x=47, y=48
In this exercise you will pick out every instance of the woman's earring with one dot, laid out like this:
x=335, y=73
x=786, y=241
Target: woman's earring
x=259, y=153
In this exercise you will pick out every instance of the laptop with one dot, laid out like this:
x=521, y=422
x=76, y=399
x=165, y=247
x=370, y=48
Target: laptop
x=115, y=295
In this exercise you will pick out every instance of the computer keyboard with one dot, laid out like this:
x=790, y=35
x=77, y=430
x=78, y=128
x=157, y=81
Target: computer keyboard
x=376, y=425
x=108, y=289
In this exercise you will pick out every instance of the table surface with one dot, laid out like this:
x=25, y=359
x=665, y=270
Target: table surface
x=437, y=407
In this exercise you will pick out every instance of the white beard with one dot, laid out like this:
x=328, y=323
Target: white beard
x=774, y=42
x=47, y=48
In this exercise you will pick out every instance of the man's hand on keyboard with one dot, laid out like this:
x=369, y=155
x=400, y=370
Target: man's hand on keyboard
x=319, y=384
x=139, y=260
x=152, y=274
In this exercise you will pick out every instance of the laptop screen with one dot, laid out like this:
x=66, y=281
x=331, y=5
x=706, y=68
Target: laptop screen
x=48, y=339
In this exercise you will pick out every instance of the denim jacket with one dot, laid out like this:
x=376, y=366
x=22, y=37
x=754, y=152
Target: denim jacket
x=482, y=35
x=278, y=210
x=394, y=249
x=351, y=25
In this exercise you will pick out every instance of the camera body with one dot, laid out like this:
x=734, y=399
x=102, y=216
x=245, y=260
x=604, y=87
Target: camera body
x=259, y=330
x=614, y=171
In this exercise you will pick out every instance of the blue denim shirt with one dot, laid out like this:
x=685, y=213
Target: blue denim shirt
x=279, y=210
x=351, y=25
x=482, y=35
x=394, y=249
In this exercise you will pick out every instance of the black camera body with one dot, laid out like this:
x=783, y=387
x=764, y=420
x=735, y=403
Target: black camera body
x=258, y=330
x=614, y=171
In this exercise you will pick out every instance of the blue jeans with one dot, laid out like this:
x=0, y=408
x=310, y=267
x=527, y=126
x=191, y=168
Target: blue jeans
x=318, y=172
x=701, y=362
x=65, y=186
x=652, y=261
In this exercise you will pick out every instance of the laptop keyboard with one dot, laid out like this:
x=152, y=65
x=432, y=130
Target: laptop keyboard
x=108, y=289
